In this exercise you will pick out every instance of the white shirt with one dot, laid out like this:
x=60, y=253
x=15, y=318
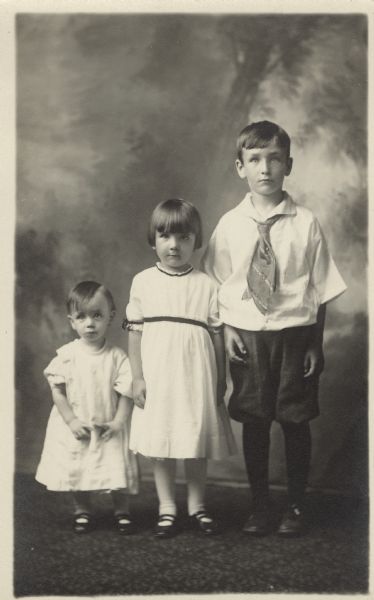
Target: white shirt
x=306, y=273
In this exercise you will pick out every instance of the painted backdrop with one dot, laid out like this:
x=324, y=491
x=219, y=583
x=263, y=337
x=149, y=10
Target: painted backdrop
x=117, y=112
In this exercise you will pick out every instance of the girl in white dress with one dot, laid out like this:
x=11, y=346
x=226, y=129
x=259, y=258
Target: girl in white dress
x=177, y=359
x=86, y=447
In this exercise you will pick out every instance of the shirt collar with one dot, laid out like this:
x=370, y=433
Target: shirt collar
x=285, y=207
x=174, y=273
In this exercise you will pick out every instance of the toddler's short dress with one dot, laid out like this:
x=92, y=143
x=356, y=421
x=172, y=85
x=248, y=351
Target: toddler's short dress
x=176, y=313
x=92, y=380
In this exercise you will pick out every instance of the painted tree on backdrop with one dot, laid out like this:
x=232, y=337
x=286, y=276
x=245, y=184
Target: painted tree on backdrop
x=329, y=50
x=210, y=74
x=206, y=73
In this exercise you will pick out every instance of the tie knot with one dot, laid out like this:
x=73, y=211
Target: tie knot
x=264, y=227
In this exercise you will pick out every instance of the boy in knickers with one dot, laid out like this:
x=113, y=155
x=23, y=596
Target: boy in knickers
x=275, y=276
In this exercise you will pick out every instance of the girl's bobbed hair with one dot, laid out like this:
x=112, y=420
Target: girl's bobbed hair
x=175, y=216
x=83, y=292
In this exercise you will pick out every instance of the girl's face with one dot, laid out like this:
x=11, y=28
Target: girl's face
x=92, y=320
x=174, y=249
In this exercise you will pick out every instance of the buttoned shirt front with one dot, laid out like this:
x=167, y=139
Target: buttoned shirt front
x=306, y=273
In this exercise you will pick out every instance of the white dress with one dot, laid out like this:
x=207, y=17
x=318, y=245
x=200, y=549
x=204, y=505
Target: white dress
x=180, y=418
x=92, y=379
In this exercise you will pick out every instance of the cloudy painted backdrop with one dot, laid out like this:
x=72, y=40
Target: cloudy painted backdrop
x=117, y=112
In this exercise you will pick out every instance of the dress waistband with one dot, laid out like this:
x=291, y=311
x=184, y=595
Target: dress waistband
x=177, y=320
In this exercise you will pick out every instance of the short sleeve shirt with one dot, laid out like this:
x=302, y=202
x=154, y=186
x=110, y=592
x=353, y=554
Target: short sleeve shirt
x=306, y=272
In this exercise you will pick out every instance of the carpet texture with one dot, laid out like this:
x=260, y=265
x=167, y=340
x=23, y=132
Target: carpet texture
x=49, y=559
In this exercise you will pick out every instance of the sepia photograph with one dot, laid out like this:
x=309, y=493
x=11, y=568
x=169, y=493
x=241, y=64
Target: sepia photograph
x=190, y=294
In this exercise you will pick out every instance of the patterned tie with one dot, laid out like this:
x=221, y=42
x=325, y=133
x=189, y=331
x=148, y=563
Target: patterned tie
x=261, y=276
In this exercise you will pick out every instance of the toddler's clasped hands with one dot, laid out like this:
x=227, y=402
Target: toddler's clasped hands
x=109, y=429
x=79, y=430
x=105, y=430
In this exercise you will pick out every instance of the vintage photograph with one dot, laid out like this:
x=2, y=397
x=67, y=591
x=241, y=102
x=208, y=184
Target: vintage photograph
x=191, y=307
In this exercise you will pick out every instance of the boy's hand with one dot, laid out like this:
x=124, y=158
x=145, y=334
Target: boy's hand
x=313, y=361
x=139, y=392
x=234, y=345
x=221, y=390
x=110, y=428
x=79, y=430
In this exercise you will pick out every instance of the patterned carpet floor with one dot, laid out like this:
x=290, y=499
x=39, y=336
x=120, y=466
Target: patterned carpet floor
x=50, y=560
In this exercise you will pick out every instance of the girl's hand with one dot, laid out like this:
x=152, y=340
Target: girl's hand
x=236, y=351
x=139, y=392
x=109, y=429
x=221, y=390
x=313, y=361
x=79, y=430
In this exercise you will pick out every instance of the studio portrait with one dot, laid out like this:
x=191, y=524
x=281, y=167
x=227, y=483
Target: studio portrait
x=191, y=306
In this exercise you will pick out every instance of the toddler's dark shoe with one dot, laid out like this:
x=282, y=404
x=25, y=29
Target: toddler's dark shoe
x=166, y=526
x=260, y=523
x=292, y=524
x=204, y=523
x=82, y=523
x=124, y=524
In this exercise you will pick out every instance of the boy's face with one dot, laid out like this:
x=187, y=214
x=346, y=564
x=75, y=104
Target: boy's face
x=92, y=320
x=264, y=168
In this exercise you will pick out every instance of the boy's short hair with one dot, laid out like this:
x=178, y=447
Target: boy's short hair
x=259, y=135
x=175, y=216
x=83, y=292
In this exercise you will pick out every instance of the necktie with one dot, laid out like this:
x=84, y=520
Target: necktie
x=261, y=276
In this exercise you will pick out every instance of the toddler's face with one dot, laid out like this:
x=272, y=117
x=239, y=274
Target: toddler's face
x=264, y=168
x=174, y=249
x=91, y=320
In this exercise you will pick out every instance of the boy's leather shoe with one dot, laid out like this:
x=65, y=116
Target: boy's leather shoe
x=292, y=524
x=259, y=523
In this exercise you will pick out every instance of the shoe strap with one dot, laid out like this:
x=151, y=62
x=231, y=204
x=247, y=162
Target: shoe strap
x=166, y=518
x=123, y=519
x=82, y=518
x=202, y=515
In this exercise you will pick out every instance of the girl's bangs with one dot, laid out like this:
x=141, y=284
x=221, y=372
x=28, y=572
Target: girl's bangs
x=173, y=222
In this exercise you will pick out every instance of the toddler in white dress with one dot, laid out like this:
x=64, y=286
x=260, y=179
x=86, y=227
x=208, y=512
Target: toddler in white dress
x=86, y=446
x=177, y=359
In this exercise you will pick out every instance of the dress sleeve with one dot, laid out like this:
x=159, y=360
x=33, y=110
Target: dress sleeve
x=134, y=312
x=325, y=276
x=123, y=380
x=55, y=372
x=216, y=260
x=214, y=322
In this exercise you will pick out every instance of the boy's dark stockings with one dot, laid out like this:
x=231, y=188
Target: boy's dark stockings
x=256, y=446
